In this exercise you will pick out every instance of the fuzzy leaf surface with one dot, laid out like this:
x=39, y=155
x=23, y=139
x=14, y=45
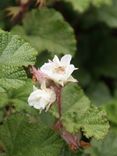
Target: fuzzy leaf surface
x=14, y=54
x=78, y=113
x=18, y=98
x=20, y=136
x=46, y=29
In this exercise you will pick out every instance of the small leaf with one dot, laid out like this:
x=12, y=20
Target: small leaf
x=46, y=29
x=14, y=54
x=19, y=136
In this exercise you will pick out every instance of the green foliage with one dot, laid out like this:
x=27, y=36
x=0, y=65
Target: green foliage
x=94, y=23
x=106, y=147
x=108, y=14
x=79, y=5
x=14, y=54
x=46, y=30
x=17, y=97
x=78, y=113
x=111, y=108
x=68, y=152
x=20, y=136
x=83, y=5
x=1, y=20
x=99, y=93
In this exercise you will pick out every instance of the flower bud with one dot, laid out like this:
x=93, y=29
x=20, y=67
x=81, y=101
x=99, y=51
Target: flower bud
x=41, y=98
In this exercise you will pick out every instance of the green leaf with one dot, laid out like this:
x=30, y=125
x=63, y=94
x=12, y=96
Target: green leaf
x=83, y=5
x=107, y=147
x=19, y=136
x=46, y=29
x=1, y=115
x=111, y=109
x=79, y=5
x=108, y=14
x=78, y=113
x=68, y=152
x=17, y=97
x=14, y=54
x=98, y=3
x=99, y=93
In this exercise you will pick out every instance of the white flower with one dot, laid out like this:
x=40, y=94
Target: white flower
x=41, y=98
x=59, y=70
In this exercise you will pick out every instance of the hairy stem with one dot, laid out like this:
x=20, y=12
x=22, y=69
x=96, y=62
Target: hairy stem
x=59, y=100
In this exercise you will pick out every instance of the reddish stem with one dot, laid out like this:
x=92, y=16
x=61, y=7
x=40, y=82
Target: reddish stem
x=59, y=98
x=72, y=140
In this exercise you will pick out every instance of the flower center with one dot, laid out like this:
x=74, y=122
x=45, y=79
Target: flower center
x=59, y=70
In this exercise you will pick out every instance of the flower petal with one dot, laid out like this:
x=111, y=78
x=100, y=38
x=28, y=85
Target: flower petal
x=46, y=67
x=41, y=98
x=66, y=59
x=69, y=70
x=41, y=105
x=56, y=60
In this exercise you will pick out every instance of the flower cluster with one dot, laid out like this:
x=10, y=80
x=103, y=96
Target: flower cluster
x=51, y=75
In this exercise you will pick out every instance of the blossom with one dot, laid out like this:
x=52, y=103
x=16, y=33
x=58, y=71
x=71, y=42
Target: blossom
x=42, y=98
x=59, y=70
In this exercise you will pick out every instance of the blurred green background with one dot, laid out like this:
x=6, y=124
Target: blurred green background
x=94, y=50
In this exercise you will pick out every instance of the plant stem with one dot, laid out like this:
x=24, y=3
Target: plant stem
x=59, y=99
